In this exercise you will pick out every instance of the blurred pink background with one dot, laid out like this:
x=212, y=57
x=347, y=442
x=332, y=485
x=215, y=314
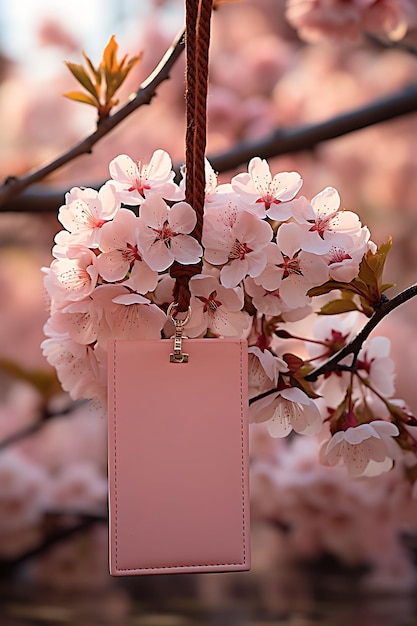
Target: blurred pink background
x=262, y=76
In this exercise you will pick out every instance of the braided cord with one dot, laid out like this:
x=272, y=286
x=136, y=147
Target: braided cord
x=198, y=16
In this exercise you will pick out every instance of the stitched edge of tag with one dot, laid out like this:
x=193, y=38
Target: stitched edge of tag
x=168, y=568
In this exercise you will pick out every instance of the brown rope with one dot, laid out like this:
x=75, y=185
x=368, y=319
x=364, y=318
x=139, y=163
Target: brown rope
x=198, y=15
x=191, y=25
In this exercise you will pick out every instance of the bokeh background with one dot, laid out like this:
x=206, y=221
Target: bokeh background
x=321, y=540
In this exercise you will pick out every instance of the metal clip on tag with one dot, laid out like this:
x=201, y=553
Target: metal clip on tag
x=178, y=356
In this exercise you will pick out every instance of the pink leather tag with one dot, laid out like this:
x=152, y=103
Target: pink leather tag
x=178, y=457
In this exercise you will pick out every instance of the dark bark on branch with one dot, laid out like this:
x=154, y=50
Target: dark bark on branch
x=287, y=140
x=86, y=520
x=354, y=346
x=281, y=141
x=32, y=429
x=14, y=186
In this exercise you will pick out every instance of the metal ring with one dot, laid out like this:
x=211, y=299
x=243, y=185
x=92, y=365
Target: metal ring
x=173, y=319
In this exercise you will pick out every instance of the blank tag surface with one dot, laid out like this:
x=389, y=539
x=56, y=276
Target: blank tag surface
x=178, y=457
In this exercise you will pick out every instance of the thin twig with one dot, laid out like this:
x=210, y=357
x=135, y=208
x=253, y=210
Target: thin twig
x=14, y=186
x=392, y=45
x=32, y=429
x=281, y=141
x=355, y=345
x=287, y=140
x=86, y=521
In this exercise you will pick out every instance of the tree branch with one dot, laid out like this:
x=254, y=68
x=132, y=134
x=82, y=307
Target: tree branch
x=86, y=521
x=392, y=45
x=355, y=345
x=281, y=141
x=14, y=186
x=287, y=140
x=32, y=429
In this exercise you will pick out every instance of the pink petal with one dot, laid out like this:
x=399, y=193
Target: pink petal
x=123, y=169
x=182, y=218
x=160, y=166
x=154, y=212
x=158, y=256
x=232, y=274
x=185, y=249
x=112, y=266
x=130, y=298
x=326, y=202
x=142, y=278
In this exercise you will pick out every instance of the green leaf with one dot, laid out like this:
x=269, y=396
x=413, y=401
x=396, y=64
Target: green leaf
x=81, y=75
x=109, y=55
x=95, y=72
x=304, y=385
x=110, y=71
x=334, y=307
x=326, y=287
x=330, y=285
x=293, y=361
x=372, y=265
x=386, y=286
x=79, y=96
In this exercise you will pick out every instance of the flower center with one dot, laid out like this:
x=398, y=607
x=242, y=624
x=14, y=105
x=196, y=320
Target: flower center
x=239, y=250
x=75, y=278
x=337, y=255
x=268, y=199
x=165, y=234
x=140, y=183
x=210, y=304
x=290, y=266
x=322, y=223
x=131, y=253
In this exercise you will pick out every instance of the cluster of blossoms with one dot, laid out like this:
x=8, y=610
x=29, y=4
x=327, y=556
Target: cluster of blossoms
x=348, y=19
x=263, y=249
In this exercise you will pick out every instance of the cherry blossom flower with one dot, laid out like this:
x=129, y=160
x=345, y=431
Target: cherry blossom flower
x=163, y=234
x=263, y=371
x=238, y=243
x=108, y=259
x=81, y=320
x=135, y=317
x=121, y=253
x=162, y=295
x=286, y=410
x=79, y=368
x=89, y=320
x=22, y=485
x=356, y=446
x=111, y=312
x=347, y=19
x=217, y=309
x=63, y=240
x=72, y=278
x=216, y=195
x=265, y=302
x=344, y=259
x=330, y=334
x=271, y=303
x=322, y=222
x=85, y=211
x=79, y=485
x=263, y=195
x=333, y=332
x=291, y=270
x=135, y=181
x=374, y=362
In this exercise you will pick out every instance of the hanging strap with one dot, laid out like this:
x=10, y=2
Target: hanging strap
x=197, y=33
